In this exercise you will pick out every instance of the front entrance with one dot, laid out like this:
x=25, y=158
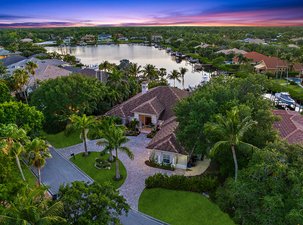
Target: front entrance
x=145, y=120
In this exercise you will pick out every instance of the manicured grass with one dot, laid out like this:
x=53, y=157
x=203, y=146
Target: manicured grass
x=294, y=90
x=180, y=207
x=60, y=140
x=87, y=164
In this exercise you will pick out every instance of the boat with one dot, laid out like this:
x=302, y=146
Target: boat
x=168, y=50
x=284, y=97
x=191, y=60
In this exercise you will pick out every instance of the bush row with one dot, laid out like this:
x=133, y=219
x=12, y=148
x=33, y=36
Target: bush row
x=198, y=184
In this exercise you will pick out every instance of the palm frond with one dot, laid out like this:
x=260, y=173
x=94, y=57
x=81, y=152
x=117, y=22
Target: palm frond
x=126, y=150
x=216, y=146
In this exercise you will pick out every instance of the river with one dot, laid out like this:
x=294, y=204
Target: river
x=91, y=55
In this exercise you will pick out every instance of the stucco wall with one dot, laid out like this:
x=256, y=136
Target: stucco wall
x=177, y=160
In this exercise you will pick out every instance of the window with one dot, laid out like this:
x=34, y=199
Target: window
x=166, y=159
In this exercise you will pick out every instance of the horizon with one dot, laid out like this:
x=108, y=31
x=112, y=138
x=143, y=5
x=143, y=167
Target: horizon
x=93, y=13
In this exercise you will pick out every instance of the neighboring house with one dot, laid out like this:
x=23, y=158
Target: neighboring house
x=105, y=37
x=4, y=53
x=254, y=41
x=155, y=108
x=46, y=43
x=89, y=39
x=271, y=65
x=12, y=59
x=202, y=45
x=293, y=46
x=254, y=57
x=95, y=73
x=165, y=148
x=290, y=126
x=232, y=51
x=298, y=67
x=47, y=71
x=26, y=40
x=156, y=38
x=122, y=39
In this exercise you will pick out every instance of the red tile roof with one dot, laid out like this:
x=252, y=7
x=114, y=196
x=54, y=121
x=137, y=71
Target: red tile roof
x=274, y=62
x=298, y=67
x=254, y=56
x=290, y=126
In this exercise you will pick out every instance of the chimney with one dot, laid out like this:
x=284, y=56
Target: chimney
x=144, y=86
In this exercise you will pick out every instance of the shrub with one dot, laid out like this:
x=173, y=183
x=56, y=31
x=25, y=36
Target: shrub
x=154, y=164
x=102, y=164
x=198, y=184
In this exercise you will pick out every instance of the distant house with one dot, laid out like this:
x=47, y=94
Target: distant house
x=156, y=38
x=290, y=126
x=155, y=108
x=98, y=74
x=202, y=45
x=232, y=51
x=26, y=40
x=89, y=39
x=45, y=43
x=254, y=41
x=298, y=67
x=271, y=65
x=105, y=37
x=4, y=53
x=293, y=46
x=122, y=39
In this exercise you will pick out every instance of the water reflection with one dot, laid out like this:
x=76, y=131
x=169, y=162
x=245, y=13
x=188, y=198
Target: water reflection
x=90, y=55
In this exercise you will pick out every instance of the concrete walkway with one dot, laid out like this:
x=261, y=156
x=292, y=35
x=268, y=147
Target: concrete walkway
x=137, y=171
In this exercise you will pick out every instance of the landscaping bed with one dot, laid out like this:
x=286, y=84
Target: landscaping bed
x=87, y=164
x=180, y=207
x=160, y=166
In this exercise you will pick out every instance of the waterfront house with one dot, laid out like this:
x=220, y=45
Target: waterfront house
x=156, y=38
x=88, y=39
x=154, y=108
x=4, y=53
x=104, y=37
x=271, y=65
x=253, y=57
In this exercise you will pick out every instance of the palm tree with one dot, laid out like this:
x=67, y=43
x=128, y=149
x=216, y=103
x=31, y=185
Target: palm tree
x=150, y=72
x=20, y=79
x=174, y=75
x=38, y=152
x=115, y=140
x=13, y=139
x=105, y=134
x=31, y=67
x=30, y=207
x=82, y=123
x=135, y=70
x=182, y=72
x=162, y=72
x=231, y=129
x=106, y=66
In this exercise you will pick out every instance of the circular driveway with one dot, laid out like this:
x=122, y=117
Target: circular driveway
x=137, y=171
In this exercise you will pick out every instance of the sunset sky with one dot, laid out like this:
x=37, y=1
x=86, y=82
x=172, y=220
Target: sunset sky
x=64, y=13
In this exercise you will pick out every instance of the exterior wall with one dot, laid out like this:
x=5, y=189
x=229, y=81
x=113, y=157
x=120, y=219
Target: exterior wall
x=177, y=160
x=3, y=56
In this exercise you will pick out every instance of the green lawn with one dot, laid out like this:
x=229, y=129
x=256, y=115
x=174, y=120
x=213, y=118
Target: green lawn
x=283, y=86
x=60, y=140
x=180, y=207
x=99, y=175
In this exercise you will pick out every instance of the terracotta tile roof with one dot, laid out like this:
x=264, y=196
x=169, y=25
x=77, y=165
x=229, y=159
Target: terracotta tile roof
x=298, y=67
x=254, y=56
x=166, y=140
x=274, y=62
x=165, y=96
x=152, y=106
x=290, y=126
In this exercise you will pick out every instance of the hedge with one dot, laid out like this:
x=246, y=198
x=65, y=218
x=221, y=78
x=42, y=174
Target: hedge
x=197, y=184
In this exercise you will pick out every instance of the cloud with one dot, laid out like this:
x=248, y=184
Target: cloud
x=12, y=17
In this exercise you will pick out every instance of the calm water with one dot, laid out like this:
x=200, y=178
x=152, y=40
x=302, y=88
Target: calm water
x=90, y=55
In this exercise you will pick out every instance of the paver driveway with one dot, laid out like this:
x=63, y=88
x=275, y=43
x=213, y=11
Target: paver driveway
x=137, y=171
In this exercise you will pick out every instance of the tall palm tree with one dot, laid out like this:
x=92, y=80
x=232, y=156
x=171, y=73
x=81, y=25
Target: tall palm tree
x=231, y=130
x=31, y=67
x=105, y=134
x=38, y=152
x=106, y=66
x=20, y=79
x=13, y=140
x=182, y=72
x=82, y=123
x=30, y=207
x=115, y=139
x=174, y=75
x=135, y=70
x=150, y=72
